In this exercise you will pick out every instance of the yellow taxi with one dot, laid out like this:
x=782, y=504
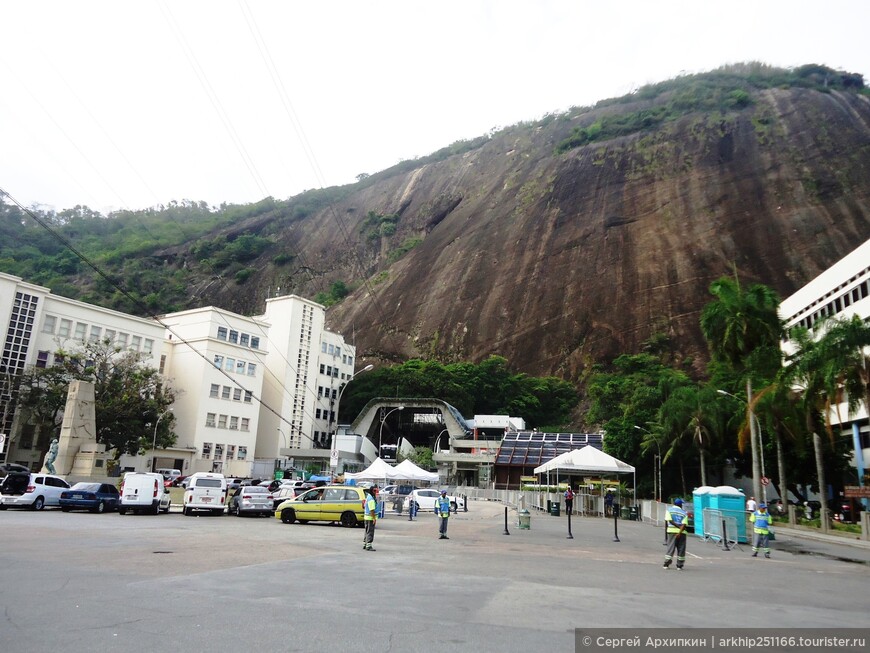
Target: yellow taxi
x=341, y=503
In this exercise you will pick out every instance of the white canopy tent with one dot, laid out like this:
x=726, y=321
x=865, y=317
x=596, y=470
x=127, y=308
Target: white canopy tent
x=379, y=470
x=587, y=460
x=408, y=471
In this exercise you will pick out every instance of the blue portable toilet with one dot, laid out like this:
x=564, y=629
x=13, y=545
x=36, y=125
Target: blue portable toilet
x=700, y=500
x=731, y=503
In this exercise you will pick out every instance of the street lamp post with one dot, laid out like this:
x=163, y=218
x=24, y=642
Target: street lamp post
x=757, y=483
x=154, y=439
x=333, y=453
x=657, y=472
x=438, y=439
x=381, y=430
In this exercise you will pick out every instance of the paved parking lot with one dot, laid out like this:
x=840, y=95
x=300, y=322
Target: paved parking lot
x=83, y=582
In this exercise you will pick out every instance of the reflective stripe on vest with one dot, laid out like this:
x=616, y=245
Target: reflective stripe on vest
x=443, y=506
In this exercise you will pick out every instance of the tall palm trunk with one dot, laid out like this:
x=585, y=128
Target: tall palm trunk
x=703, y=468
x=823, y=487
x=753, y=442
x=683, y=477
x=780, y=468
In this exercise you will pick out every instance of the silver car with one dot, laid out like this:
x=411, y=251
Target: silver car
x=34, y=491
x=250, y=500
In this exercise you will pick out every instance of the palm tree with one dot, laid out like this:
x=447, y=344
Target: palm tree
x=691, y=413
x=830, y=370
x=743, y=329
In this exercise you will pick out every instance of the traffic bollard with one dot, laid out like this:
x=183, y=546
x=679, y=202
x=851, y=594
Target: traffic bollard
x=506, y=531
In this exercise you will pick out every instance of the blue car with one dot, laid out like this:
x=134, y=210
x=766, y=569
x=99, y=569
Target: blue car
x=96, y=497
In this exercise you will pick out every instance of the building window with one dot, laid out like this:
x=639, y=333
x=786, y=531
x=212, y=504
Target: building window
x=237, y=394
x=206, y=450
x=252, y=369
x=136, y=343
x=234, y=337
x=49, y=325
x=241, y=366
x=244, y=340
x=337, y=352
x=213, y=392
x=248, y=396
x=222, y=421
x=64, y=329
x=96, y=332
x=162, y=363
x=322, y=368
x=350, y=360
x=317, y=414
x=222, y=333
x=42, y=359
x=122, y=340
x=209, y=419
x=219, y=452
x=323, y=347
x=243, y=453
x=234, y=423
x=81, y=329
x=218, y=360
x=110, y=335
x=330, y=350
x=230, y=364
x=225, y=393
x=255, y=342
x=231, y=451
x=245, y=424
x=148, y=346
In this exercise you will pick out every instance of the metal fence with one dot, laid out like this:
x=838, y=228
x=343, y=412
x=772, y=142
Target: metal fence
x=721, y=526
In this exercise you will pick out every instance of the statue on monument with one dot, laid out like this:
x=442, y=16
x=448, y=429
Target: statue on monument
x=50, y=457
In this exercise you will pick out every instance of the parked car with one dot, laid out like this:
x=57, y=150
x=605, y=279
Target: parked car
x=250, y=500
x=395, y=495
x=285, y=493
x=170, y=475
x=96, y=497
x=34, y=491
x=425, y=500
x=337, y=503
x=144, y=492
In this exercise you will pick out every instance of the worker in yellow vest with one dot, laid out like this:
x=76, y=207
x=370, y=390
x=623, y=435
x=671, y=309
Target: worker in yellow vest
x=761, y=520
x=370, y=517
x=676, y=519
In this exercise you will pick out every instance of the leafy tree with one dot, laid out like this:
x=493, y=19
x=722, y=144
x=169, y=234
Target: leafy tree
x=422, y=457
x=129, y=396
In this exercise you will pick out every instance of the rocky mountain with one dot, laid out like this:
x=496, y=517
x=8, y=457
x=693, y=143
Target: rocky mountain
x=557, y=260
x=569, y=240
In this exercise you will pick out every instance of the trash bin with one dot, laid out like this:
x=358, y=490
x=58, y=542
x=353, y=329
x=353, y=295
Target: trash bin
x=625, y=512
x=524, y=519
x=634, y=513
x=555, y=509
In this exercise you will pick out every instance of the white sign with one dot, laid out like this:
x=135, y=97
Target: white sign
x=2, y=442
x=333, y=458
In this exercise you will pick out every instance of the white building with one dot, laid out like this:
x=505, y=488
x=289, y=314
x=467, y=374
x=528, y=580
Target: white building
x=39, y=324
x=841, y=290
x=307, y=365
x=215, y=361
x=263, y=387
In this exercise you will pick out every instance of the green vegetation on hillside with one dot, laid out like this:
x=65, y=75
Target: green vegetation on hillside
x=725, y=89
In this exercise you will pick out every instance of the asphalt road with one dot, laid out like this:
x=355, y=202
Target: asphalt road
x=90, y=583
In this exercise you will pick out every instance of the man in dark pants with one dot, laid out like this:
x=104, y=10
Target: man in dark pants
x=442, y=509
x=676, y=519
x=370, y=517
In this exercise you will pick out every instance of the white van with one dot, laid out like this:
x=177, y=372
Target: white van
x=205, y=491
x=144, y=492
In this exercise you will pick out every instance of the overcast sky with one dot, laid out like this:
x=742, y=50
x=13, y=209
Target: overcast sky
x=136, y=103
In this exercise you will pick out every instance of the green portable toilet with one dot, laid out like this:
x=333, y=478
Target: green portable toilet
x=731, y=503
x=700, y=500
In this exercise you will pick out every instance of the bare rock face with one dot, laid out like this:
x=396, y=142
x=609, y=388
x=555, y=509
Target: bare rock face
x=556, y=261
